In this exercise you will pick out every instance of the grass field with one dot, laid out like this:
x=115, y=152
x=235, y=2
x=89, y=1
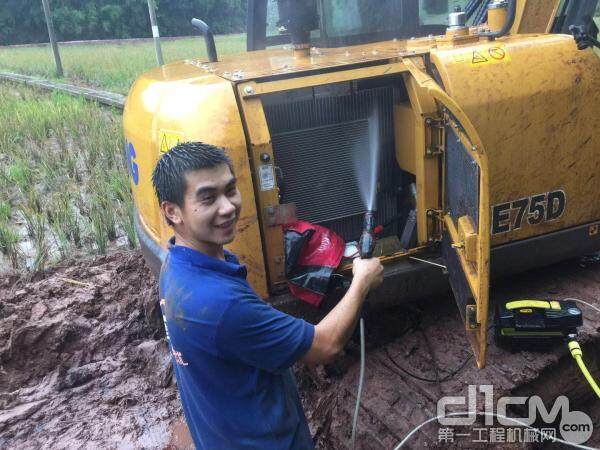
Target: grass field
x=63, y=184
x=112, y=67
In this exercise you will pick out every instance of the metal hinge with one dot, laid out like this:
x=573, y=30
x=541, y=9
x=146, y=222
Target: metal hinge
x=434, y=136
x=471, y=318
x=434, y=225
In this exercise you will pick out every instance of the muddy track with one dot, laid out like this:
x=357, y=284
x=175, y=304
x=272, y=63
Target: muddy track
x=84, y=362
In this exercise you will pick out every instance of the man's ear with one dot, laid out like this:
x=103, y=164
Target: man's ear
x=172, y=212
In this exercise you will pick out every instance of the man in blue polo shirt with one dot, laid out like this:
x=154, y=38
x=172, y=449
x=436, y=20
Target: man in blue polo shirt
x=232, y=352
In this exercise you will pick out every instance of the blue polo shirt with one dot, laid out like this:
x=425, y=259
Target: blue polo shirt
x=232, y=355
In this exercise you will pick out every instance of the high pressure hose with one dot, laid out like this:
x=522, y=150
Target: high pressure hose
x=366, y=247
x=583, y=303
x=361, y=378
x=577, y=353
x=489, y=414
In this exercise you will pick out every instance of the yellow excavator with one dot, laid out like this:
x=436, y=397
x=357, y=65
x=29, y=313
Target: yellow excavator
x=488, y=130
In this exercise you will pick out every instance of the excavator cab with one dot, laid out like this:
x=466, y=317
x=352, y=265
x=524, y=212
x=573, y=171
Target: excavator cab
x=335, y=23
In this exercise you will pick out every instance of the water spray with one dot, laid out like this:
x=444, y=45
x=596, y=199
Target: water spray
x=368, y=175
x=367, y=171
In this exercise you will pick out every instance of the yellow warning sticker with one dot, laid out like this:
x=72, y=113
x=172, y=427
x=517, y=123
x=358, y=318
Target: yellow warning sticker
x=482, y=56
x=167, y=140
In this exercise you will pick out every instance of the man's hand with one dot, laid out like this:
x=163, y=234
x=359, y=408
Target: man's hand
x=332, y=333
x=368, y=272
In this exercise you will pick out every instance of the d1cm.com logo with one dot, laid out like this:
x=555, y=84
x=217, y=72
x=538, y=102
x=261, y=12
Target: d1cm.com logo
x=575, y=426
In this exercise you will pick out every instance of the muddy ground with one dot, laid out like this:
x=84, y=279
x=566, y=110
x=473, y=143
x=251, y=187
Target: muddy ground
x=84, y=363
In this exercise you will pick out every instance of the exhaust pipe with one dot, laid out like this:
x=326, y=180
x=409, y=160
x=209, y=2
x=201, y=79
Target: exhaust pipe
x=298, y=17
x=209, y=40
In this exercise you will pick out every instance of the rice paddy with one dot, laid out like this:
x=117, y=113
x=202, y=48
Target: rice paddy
x=64, y=189
x=63, y=184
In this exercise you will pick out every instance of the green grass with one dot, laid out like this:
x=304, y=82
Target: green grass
x=112, y=67
x=63, y=183
x=597, y=20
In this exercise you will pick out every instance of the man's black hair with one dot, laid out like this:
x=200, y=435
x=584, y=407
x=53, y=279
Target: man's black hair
x=168, y=176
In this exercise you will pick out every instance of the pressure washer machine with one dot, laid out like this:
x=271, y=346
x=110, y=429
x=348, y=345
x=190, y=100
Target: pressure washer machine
x=530, y=323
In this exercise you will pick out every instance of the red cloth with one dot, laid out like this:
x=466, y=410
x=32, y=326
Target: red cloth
x=313, y=252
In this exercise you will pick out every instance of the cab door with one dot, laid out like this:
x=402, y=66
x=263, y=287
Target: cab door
x=464, y=216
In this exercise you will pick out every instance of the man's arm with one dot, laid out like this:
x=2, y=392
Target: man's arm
x=332, y=333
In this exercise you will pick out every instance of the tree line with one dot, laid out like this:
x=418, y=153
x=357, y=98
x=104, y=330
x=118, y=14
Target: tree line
x=22, y=21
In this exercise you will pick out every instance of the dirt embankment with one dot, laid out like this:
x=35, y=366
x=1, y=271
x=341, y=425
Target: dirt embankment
x=83, y=359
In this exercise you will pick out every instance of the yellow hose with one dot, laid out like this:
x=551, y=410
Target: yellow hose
x=576, y=352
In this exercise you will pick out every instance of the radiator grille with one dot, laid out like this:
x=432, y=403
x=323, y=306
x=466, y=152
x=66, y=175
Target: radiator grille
x=462, y=185
x=313, y=143
x=325, y=189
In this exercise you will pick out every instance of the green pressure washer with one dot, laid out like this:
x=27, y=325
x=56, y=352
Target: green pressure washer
x=527, y=324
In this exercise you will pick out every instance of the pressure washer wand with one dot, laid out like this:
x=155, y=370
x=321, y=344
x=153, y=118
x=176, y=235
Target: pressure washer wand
x=366, y=245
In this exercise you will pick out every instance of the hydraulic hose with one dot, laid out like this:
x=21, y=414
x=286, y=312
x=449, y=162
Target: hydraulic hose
x=480, y=13
x=510, y=20
x=577, y=353
x=471, y=7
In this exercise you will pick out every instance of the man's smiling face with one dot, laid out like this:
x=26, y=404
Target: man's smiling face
x=210, y=211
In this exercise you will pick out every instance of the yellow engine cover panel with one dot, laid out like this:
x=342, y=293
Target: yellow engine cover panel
x=535, y=102
x=178, y=103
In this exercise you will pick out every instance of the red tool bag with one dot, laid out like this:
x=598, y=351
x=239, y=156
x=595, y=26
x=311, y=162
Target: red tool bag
x=312, y=253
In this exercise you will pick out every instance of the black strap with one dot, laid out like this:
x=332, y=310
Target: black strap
x=584, y=34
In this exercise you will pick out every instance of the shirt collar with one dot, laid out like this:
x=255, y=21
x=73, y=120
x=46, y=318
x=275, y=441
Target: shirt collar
x=231, y=265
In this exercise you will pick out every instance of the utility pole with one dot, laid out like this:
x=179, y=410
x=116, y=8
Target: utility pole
x=155, y=34
x=59, y=69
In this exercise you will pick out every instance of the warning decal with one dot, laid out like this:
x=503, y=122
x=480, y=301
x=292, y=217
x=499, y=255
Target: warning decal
x=478, y=58
x=482, y=56
x=497, y=53
x=266, y=177
x=167, y=140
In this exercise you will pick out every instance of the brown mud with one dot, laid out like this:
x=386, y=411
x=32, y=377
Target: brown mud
x=84, y=363
x=83, y=359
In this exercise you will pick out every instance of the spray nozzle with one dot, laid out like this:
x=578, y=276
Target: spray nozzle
x=366, y=245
